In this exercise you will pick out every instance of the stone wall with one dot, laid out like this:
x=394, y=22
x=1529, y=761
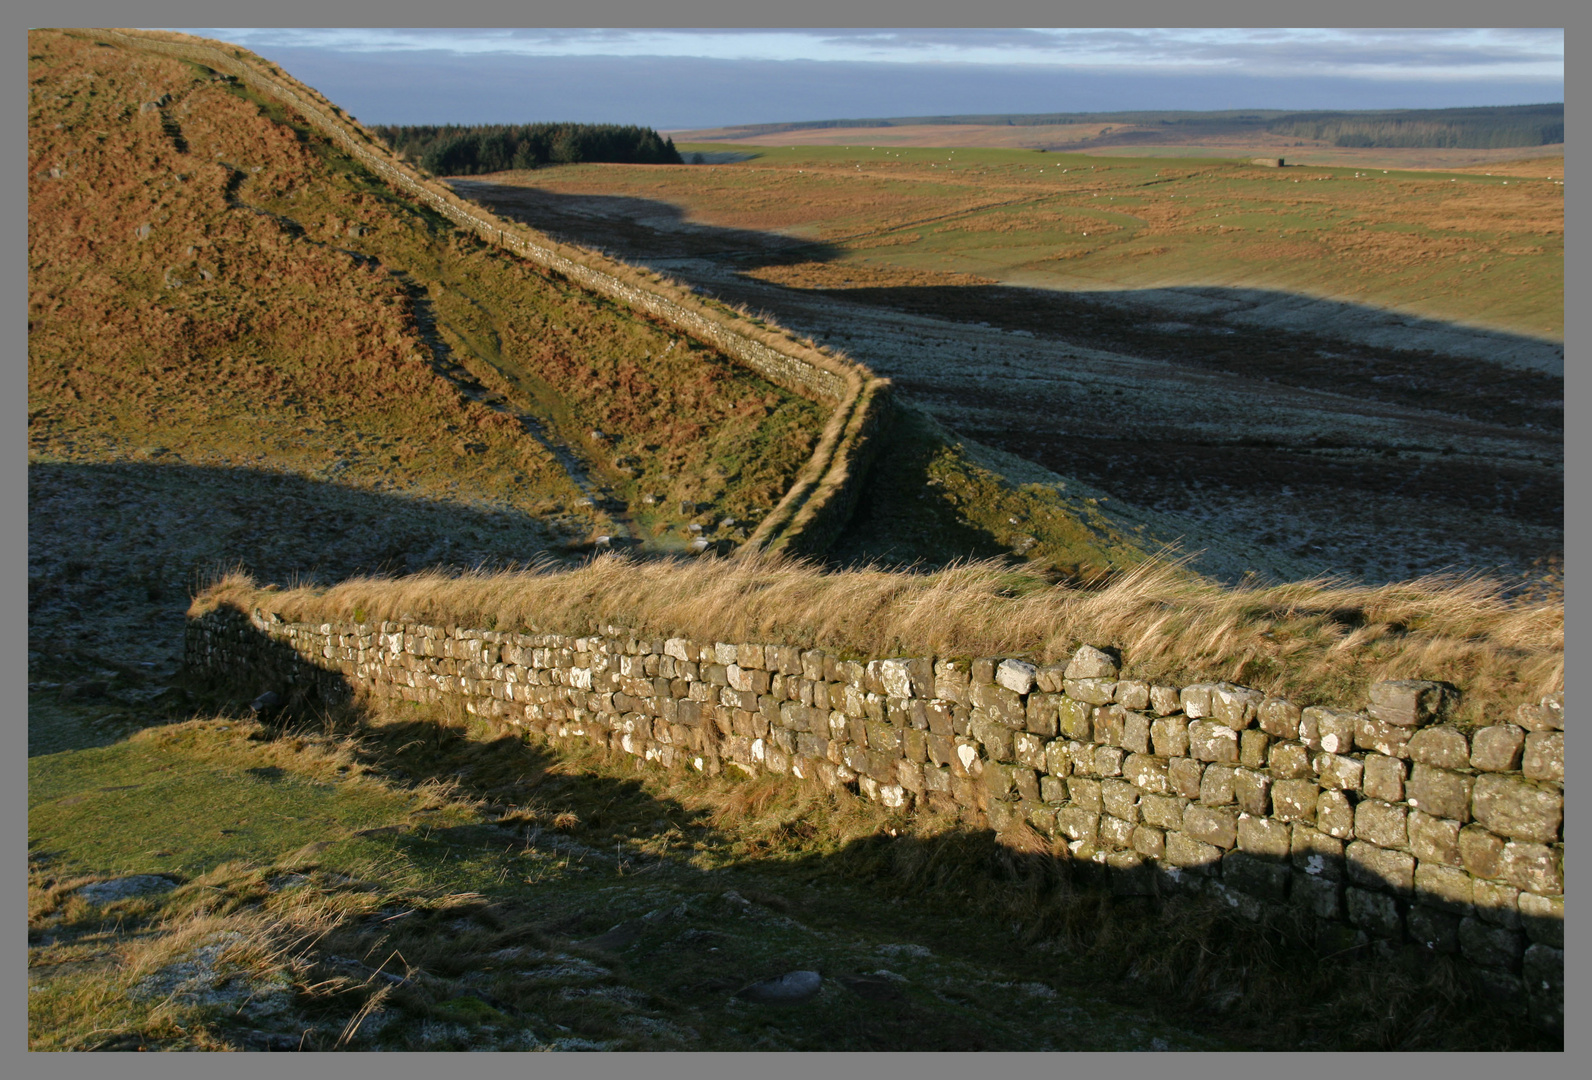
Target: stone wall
x=859, y=400
x=1383, y=822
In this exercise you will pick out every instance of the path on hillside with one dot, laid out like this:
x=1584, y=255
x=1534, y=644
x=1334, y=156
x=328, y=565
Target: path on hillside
x=622, y=527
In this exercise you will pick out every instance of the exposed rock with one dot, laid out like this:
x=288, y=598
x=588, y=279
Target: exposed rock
x=791, y=988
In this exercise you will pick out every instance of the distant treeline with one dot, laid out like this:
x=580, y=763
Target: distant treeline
x=1469, y=129
x=457, y=150
x=1477, y=128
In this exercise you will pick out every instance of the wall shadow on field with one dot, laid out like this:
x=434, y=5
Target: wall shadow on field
x=1156, y=945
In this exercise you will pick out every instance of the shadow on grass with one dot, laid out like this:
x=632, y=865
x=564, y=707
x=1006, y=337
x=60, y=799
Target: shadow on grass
x=686, y=889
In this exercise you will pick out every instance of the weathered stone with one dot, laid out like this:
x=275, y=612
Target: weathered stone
x=1294, y=800
x=1481, y=852
x=1380, y=868
x=1081, y=756
x=1135, y=734
x=792, y=988
x=1211, y=825
x=1000, y=703
x=1085, y=793
x=895, y=678
x=1544, y=756
x=1183, y=850
x=1043, y=711
x=1042, y=817
x=1332, y=730
x=1149, y=841
x=1183, y=776
x=999, y=782
x=1092, y=691
x=1548, y=715
x=952, y=681
x=1162, y=811
x=1235, y=706
x=1049, y=677
x=1318, y=896
x=1374, y=912
x=1133, y=694
x=1517, y=808
x=1252, y=749
x=995, y=738
x=1256, y=875
x=1028, y=749
x=1407, y=702
x=1115, y=832
x=1145, y=772
x=1264, y=836
x=1435, y=930
x=1015, y=675
x=1531, y=868
x=1381, y=823
x=1316, y=854
x=1108, y=760
x=1091, y=663
x=1078, y=824
x=1491, y=946
x=1383, y=778
x=1169, y=735
x=1057, y=760
x=1290, y=761
x=1121, y=799
x=1196, y=700
x=1052, y=789
x=1002, y=815
x=1165, y=700
x=1497, y=748
x=1434, y=839
x=1382, y=738
x=1338, y=772
x=1496, y=902
x=1446, y=888
x=1279, y=718
x=1210, y=740
x=1075, y=719
x=1442, y=746
x=1335, y=815
x=1252, y=792
x=1439, y=792
x=1216, y=785
x=1107, y=725
x=1543, y=917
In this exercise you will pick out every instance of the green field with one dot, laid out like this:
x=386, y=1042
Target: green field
x=1464, y=246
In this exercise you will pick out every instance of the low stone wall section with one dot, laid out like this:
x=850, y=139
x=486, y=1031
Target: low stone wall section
x=1384, y=823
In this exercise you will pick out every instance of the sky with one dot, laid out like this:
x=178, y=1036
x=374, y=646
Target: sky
x=675, y=79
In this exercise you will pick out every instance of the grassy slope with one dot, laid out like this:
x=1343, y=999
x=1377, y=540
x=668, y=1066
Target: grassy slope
x=213, y=283
x=1448, y=245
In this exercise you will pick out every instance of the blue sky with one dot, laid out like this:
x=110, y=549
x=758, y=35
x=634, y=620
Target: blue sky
x=673, y=78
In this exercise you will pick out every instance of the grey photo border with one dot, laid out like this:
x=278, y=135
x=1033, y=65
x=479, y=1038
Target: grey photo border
x=13, y=536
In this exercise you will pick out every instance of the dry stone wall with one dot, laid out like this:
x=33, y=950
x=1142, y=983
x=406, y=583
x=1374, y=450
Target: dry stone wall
x=860, y=401
x=1384, y=823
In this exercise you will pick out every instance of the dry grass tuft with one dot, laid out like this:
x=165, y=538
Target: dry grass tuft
x=1317, y=640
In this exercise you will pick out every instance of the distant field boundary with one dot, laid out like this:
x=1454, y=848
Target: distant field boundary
x=821, y=499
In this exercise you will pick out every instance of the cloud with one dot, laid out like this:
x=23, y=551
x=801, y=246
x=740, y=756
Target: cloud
x=1366, y=53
